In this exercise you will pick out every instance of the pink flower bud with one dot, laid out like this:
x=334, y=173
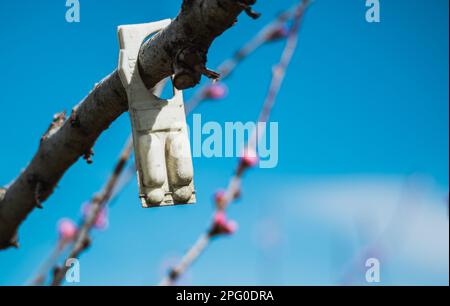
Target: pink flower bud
x=216, y=91
x=249, y=158
x=67, y=229
x=219, y=197
x=232, y=227
x=220, y=218
x=222, y=226
x=101, y=222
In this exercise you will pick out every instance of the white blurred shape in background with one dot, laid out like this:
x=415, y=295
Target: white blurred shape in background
x=335, y=224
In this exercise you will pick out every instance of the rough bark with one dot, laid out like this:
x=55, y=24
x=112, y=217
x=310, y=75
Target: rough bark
x=179, y=50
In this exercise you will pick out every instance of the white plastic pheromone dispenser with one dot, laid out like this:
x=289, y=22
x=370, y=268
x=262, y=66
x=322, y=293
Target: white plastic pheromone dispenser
x=161, y=143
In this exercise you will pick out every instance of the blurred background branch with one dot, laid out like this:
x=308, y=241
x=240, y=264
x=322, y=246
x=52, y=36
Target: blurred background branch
x=220, y=225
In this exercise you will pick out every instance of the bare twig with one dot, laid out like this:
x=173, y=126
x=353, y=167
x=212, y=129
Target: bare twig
x=269, y=33
x=48, y=264
x=233, y=189
x=98, y=202
x=188, y=259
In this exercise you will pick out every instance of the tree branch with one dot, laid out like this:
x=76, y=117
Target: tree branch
x=179, y=50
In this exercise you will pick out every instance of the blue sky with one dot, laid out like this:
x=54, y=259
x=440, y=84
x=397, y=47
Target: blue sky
x=359, y=101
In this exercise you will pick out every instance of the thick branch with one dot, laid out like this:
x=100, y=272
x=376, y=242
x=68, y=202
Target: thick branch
x=180, y=49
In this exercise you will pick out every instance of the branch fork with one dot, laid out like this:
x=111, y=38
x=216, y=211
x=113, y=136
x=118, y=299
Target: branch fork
x=189, y=66
x=247, y=7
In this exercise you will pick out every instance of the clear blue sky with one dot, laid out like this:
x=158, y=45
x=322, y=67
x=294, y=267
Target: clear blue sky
x=359, y=99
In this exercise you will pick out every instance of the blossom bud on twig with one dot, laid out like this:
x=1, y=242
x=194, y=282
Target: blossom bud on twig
x=220, y=197
x=67, y=230
x=216, y=91
x=249, y=158
x=221, y=226
x=101, y=221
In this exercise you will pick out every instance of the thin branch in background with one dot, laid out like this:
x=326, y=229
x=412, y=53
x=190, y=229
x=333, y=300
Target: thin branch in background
x=193, y=254
x=79, y=237
x=95, y=211
x=120, y=177
x=67, y=230
x=220, y=225
x=96, y=206
x=275, y=30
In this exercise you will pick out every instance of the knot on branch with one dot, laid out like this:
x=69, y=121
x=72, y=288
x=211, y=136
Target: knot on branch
x=87, y=156
x=40, y=188
x=246, y=5
x=12, y=243
x=74, y=119
x=221, y=225
x=189, y=65
x=37, y=195
x=57, y=122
